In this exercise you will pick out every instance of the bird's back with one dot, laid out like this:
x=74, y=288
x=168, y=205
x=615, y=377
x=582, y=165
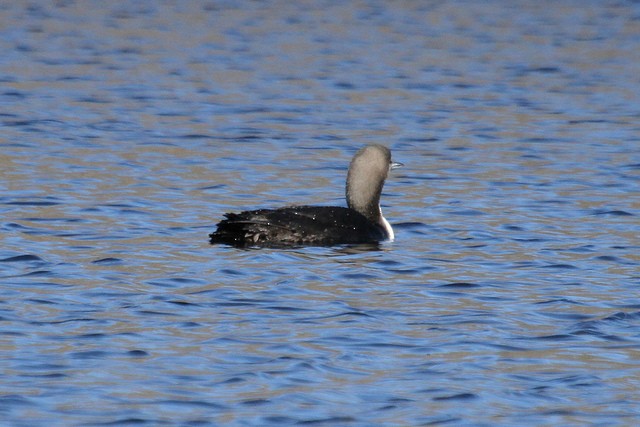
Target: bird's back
x=297, y=225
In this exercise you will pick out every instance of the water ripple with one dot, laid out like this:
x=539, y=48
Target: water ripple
x=510, y=290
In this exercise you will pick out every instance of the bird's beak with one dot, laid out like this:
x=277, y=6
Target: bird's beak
x=395, y=165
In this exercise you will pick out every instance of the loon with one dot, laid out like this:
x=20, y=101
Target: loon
x=360, y=222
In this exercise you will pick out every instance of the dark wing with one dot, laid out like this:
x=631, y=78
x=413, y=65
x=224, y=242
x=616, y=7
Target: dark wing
x=297, y=225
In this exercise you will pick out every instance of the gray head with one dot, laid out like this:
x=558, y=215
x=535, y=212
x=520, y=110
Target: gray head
x=367, y=173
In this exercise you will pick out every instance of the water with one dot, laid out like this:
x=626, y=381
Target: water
x=510, y=296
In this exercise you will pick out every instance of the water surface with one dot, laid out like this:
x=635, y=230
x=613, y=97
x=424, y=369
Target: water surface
x=510, y=296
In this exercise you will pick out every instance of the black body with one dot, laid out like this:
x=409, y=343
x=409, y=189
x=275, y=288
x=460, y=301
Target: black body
x=297, y=225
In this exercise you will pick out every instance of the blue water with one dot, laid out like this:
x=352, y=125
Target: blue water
x=511, y=295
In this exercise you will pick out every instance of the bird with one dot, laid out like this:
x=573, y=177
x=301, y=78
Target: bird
x=360, y=222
